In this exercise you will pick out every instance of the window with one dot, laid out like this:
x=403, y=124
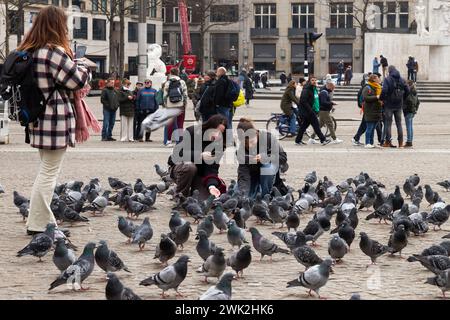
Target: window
x=151, y=33
x=65, y=3
x=176, y=17
x=224, y=13
x=163, y=14
x=39, y=1
x=133, y=66
x=404, y=14
x=15, y=25
x=153, y=10
x=265, y=16
x=379, y=16
x=391, y=14
x=99, y=5
x=98, y=29
x=55, y=3
x=341, y=15
x=303, y=16
x=132, y=32
x=80, y=29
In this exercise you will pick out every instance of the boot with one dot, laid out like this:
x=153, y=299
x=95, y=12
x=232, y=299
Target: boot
x=388, y=144
x=408, y=145
x=400, y=144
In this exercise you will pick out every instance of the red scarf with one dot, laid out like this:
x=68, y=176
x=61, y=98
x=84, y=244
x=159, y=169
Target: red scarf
x=84, y=117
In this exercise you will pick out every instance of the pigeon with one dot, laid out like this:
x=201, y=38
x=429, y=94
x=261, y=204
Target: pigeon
x=433, y=263
x=398, y=240
x=116, y=184
x=446, y=236
x=175, y=221
x=418, y=195
x=70, y=215
x=337, y=248
x=19, y=199
x=170, y=277
x=195, y=210
x=292, y=240
x=24, y=210
x=311, y=178
x=63, y=257
x=235, y=235
x=444, y=184
x=277, y=214
x=317, y=228
x=431, y=196
x=441, y=280
x=314, y=278
x=149, y=197
x=143, y=234
x=205, y=247
x=231, y=203
x=74, y=185
x=414, y=179
x=261, y=210
x=221, y=291
x=379, y=199
x=397, y=199
x=434, y=250
x=107, y=259
x=165, y=250
x=127, y=228
x=214, y=265
x=264, y=246
x=99, y=203
x=371, y=248
x=139, y=186
x=135, y=208
x=408, y=188
x=116, y=291
x=220, y=219
x=40, y=244
x=304, y=254
x=346, y=232
x=355, y=296
x=439, y=216
x=240, y=260
x=236, y=216
x=292, y=221
x=206, y=225
x=384, y=212
x=161, y=172
x=181, y=234
x=368, y=199
x=79, y=270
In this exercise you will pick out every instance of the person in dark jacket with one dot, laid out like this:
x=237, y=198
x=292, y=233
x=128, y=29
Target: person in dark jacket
x=394, y=92
x=127, y=105
x=348, y=75
x=384, y=65
x=326, y=105
x=410, y=108
x=256, y=79
x=264, y=79
x=194, y=168
x=308, y=106
x=110, y=102
x=145, y=105
x=411, y=66
x=372, y=108
x=283, y=78
x=340, y=71
x=206, y=97
x=260, y=158
x=286, y=106
x=222, y=102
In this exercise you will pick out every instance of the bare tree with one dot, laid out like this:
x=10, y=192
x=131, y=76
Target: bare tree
x=13, y=13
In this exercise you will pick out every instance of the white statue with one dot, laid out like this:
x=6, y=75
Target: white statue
x=373, y=17
x=444, y=8
x=156, y=67
x=420, y=12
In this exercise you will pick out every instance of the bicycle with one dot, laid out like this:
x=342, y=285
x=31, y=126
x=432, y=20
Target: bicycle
x=280, y=123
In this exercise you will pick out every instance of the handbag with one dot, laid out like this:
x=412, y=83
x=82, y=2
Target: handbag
x=240, y=100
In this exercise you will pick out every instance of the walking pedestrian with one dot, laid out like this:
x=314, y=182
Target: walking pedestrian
x=207, y=107
x=384, y=65
x=264, y=79
x=416, y=69
x=348, y=75
x=110, y=102
x=410, y=108
x=340, y=71
x=146, y=104
x=222, y=101
x=283, y=78
x=248, y=90
x=376, y=65
x=126, y=106
x=372, y=108
x=57, y=75
x=411, y=66
x=256, y=79
x=287, y=101
x=326, y=106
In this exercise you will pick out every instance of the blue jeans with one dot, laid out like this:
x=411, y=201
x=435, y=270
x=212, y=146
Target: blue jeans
x=363, y=127
x=370, y=131
x=226, y=111
x=409, y=117
x=109, y=119
x=264, y=182
x=293, y=123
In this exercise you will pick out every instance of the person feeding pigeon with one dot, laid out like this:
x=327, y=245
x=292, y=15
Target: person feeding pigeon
x=194, y=163
x=260, y=158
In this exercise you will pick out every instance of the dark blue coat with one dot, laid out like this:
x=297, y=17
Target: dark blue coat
x=388, y=89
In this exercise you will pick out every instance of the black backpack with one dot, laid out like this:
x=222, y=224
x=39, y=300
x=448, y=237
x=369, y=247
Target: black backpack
x=19, y=86
x=398, y=93
x=233, y=91
x=175, y=92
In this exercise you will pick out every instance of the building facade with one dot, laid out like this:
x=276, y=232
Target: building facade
x=90, y=29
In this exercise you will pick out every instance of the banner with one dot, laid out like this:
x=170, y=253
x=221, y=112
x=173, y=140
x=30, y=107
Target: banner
x=184, y=23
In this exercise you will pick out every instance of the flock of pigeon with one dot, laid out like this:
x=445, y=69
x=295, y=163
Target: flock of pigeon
x=341, y=205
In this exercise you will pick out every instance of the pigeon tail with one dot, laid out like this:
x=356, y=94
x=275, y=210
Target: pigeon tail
x=281, y=250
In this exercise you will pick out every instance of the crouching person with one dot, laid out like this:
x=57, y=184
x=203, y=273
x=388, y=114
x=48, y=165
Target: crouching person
x=261, y=158
x=195, y=162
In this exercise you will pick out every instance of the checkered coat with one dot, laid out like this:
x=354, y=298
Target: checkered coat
x=56, y=129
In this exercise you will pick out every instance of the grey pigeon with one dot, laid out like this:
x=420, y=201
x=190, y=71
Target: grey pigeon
x=221, y=291
x=240, y=260
x=277, y=213
x=181, y=234
x=414, y=179
x=408, y=188
x=398, y=240
x=70, y=215
x=314, y=278
x=220, y=219
x=304, y=254
x=368, y=199
x=116, y=184
x=127, y=228
x=397, y=199
x=40, y=244
x=311, y=178
x=194, y=209
x=99, y=203
x=384, y=212
x=439, y=216
x=246, y=210
x=371, y=248
x=19, y=199
x=175, y=221
x=434, y=250
x=143, y=234
x=317, y=228
x=79, y=270
x=235, y=235
x=24, y=210
x=115, y=290
x=206, y=225
x=435, y=264
x=205, y=247
x=264, y=246
x=337, y=248
x=355, y=296
x=431, y=196
x=292, y=240
x=161, y=172
x=292, y=220
x=135, y=208
x=214, y=265
x=260, y=209
x=444, y=184
x=165, y=250
x=139, y=186
x=108, y=260
x=170, y=277
x=346, y=232
x=63, y=257
x=441, y=280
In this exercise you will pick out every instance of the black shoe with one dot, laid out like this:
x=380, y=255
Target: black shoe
x=111, y=139
x=104, y=139
x=327, y=141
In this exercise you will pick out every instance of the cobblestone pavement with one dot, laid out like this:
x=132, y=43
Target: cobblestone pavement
x=393, y=278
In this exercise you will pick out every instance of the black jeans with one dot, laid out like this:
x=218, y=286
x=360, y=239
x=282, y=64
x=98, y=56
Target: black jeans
x=362, y=129
x=305, y=121
x=411, y=74
x=138, y=118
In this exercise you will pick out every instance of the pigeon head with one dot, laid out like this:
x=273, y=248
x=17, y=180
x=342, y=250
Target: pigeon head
x=219, y=252
x=50, y=227
x=102, y=243
x=89, y=248
x=175, y=214
x=201, y=234
x=246, y=248
x=324, y=223
x=363, y=235
x=184, y=259
x=327, y=263
x=254, y=231
x=226, y=280
x=146, y=221
x=112, y=277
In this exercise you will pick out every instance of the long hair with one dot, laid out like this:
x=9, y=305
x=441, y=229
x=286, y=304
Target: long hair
x=214, y=122
x=49, y=30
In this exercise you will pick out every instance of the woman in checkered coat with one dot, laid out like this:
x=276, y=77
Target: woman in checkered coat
x=55, y=131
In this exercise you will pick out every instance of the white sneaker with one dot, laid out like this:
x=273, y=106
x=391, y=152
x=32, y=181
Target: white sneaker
x=356, y=143
x=312, y=141
x=369, y=146
x=169, y=145
x=337, y=141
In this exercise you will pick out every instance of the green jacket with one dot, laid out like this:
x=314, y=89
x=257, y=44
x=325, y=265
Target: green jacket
x=286, y=101
x=109, y=99
x=126, y=105
x=372, y=106
x=411, y=103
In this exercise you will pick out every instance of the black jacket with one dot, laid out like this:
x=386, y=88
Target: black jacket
x=207, y=96
x=384, y=62
x=388, y=89
x=307, y=100
x=220, y=98
x=110, y=99
x=325, y=100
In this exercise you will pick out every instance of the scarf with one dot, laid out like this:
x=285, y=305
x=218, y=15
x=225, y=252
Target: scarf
x=375, y=86
x=84, y=117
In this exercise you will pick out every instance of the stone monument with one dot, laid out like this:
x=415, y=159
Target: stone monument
x=156, y=70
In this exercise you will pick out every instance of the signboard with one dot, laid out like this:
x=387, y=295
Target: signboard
x=189, y=62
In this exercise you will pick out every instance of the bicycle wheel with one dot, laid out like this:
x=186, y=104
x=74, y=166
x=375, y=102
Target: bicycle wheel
x=273, y=124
